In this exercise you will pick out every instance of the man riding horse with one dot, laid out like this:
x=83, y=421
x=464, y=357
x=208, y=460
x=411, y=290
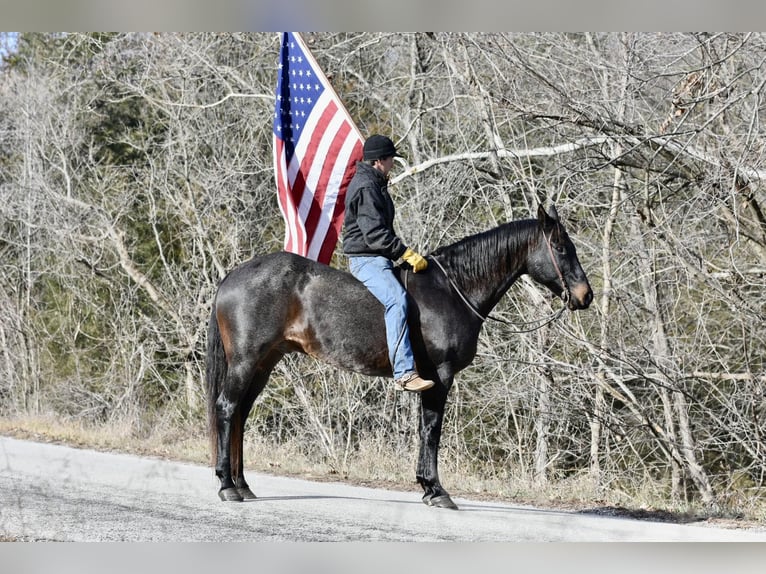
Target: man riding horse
x=372, y=246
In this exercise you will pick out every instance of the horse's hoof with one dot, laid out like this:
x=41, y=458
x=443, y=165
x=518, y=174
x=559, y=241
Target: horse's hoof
x=230, y=495
x=246, y=493
x=443, y=501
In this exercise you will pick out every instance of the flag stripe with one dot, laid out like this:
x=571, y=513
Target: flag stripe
x=316, y=147
x=293, y=228
x=325, y=214
x=326, y=186
x=313, y=169
x=333, y=220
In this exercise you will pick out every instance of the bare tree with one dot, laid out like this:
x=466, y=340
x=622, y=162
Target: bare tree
x=135, y=170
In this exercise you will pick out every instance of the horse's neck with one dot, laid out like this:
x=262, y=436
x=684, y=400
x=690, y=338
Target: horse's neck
x=485, y=265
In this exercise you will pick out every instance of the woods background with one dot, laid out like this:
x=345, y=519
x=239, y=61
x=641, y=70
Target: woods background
x=136, y=169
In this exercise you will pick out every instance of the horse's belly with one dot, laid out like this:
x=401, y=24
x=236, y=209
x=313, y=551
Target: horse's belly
x=345, y=336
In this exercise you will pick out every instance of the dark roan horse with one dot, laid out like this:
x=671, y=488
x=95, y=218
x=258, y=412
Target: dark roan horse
x=282, y=303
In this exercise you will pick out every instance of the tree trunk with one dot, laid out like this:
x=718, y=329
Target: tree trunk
x=542, y=426
x=681, y=441
x=599, y=403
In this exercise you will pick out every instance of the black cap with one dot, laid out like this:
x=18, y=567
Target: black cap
x=377, y=147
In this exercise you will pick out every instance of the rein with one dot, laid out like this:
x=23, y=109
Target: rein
x=564, y=286
x=483, y=318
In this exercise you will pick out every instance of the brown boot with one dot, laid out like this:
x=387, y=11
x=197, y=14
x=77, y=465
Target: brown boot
x=412, y=382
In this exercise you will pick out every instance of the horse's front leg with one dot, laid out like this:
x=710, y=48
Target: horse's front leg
x=431, y=418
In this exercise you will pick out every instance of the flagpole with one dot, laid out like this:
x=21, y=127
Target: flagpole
x=318, y=69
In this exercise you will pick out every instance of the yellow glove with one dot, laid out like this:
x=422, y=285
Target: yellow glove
x=417, y=261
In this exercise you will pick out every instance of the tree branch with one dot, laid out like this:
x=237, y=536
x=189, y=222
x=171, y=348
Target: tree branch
x=503, y=153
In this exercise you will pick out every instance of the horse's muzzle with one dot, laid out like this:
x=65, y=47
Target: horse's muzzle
x=579, y=296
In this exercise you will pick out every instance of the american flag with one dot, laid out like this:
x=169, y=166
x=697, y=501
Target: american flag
x=316, y=147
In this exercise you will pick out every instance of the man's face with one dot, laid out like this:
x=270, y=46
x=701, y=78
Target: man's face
x=385, y=165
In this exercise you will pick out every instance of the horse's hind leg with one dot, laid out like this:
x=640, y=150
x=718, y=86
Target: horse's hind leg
x=226, y=410
x=238, y=463
x=236, y=397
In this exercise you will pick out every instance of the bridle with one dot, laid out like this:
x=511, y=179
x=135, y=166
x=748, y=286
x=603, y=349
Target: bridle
x=564, y=287
x=564, y=296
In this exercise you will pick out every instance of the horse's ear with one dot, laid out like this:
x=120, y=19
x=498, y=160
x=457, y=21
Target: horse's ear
x=542, y=217
x=549, y=219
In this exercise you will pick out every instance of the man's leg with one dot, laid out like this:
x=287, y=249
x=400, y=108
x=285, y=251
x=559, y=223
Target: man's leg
x=377, y=275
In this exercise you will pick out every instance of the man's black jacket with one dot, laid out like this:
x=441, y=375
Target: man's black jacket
x=369, y=219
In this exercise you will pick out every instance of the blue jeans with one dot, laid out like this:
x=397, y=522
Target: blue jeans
x=377, y=274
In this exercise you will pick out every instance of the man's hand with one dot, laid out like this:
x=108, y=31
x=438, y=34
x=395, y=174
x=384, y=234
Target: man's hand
x=417, y=261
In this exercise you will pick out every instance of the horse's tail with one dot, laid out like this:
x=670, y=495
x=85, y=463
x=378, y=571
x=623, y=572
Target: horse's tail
x=215, y=370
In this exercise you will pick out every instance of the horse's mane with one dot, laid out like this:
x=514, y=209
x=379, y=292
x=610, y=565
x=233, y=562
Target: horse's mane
x=491, y=253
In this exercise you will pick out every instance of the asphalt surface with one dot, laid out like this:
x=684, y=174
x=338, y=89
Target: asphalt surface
x=57, y=493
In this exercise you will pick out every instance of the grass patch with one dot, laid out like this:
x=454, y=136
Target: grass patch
x=162, y=441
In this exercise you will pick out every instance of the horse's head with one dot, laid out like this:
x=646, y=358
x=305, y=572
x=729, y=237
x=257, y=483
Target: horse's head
x=553, y=262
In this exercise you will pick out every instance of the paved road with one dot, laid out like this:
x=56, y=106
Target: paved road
x=51, y=492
